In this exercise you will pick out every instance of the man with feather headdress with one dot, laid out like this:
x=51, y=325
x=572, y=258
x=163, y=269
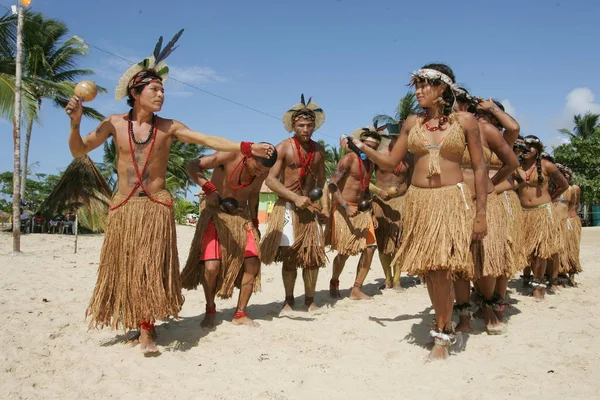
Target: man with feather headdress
x=294, y=235
x=138, y=276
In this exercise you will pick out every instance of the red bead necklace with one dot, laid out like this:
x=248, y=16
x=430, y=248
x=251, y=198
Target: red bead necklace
x=140, y=182
x=241, y=184
x=305, y=161
x=529, y=172
x=365, y=178
x=442, y=121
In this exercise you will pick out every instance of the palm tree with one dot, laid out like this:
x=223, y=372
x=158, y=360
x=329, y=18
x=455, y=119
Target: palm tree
x=50, y=69
x=8, y=46
x=406, y=106
x=585, y=126
x=333, y=154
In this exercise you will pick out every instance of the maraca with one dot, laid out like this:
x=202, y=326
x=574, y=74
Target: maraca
x=364, y=205
x=229, y=205
x=86, y=91
x=392, y=191
x=315, y=194
x=354, y=147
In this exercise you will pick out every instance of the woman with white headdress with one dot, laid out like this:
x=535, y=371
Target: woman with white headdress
x=439, y=220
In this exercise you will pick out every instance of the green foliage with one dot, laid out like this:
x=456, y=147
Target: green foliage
x=37, y=191
x=585, y=127
x=406, y=106
x=183, y=207
x=582, y=155
x=8, y=41
x=333, y=154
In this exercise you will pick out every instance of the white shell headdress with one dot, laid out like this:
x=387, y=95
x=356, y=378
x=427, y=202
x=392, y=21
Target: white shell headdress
x=374, y=134
x=303, y=109
x=155, y=62
x=433, y=75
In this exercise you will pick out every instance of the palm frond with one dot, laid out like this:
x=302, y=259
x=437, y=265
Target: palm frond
x=407, y=106
x=7, y=99
x=383, y=119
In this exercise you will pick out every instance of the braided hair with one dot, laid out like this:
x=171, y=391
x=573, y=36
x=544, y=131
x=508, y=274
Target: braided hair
x=536, y=142
x=463, y=96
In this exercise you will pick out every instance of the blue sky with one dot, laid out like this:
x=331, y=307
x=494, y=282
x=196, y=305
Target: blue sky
x=354, y=57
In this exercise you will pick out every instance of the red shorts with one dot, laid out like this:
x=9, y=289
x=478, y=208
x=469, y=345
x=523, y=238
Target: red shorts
x=211, y=245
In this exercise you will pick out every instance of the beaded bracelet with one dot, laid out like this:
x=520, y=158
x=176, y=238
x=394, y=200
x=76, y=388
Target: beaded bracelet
x=246, y=149
x=209, y=188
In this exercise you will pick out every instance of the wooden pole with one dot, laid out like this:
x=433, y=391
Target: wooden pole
x=17, y=135
x=76, y=231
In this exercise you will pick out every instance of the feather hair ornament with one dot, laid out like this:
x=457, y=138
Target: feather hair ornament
x=308, y=109
x=155, y=62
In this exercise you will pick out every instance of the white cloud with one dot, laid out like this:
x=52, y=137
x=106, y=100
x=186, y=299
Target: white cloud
x=113, y=68
x=509, y=108
x=579, y=101
x=195, y=75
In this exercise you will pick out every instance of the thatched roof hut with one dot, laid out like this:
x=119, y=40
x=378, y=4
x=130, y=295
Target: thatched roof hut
x=83, y=188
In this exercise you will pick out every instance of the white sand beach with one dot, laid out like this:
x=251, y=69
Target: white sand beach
x=350, y=350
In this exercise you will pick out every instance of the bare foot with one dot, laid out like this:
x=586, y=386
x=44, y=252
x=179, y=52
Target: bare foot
x=386, y=285
x=493, y=325
x=500, y=314
x=356, y=294
x=334, y=289
x=539, y=293
x=438, y=353
x=208, y=321
x=147, y=344
x=245, y=321
x=398, y=288
x=464, y=324
x=312, y=307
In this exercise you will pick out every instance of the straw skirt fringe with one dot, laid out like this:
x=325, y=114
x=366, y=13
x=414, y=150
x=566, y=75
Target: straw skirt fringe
x=540, y=238
x=492, y=256
x=563, y=252
x=437, y=229
x=232, y=233
x=573, y=244
x=138, y=275
x=389, y=229
x=347, y=235
x=514, y=216
x=308, y=250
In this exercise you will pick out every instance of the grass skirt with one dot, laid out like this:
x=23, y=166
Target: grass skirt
x=308, y=250
x=138, y=275
x=540, y=232
x=573, y=244
x=347, y=235
x=514, y=237
x=232, y=233
x=563, y=252
x=437, y=228
x=492, y=256
x=389, y=229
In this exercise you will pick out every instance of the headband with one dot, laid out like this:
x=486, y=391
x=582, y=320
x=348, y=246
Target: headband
x=433, y=75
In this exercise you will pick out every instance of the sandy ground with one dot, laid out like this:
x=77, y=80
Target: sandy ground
x=351, y=350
